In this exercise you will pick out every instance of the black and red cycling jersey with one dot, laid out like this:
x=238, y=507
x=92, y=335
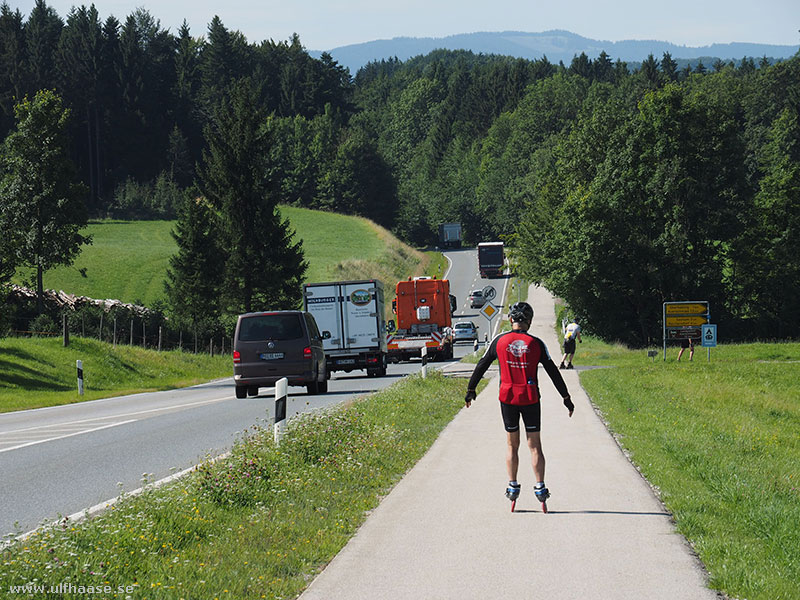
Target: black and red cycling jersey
x=519, y=355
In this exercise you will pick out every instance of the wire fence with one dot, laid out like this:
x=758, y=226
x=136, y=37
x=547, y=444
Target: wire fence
x=152, y=332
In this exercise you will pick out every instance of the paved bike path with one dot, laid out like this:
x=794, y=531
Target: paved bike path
x=446, y=530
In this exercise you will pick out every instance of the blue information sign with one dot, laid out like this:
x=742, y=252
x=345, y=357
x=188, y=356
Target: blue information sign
x=708, y=336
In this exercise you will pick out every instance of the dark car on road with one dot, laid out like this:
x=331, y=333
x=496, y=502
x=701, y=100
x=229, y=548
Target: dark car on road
x=476, y=299
x=268, y=346
x=464, y=331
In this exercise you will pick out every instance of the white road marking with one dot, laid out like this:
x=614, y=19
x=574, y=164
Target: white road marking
x=60, y=437
x=130, y=414
x=29, y=434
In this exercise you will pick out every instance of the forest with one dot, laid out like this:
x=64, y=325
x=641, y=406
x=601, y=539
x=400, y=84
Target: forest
x=616, y=188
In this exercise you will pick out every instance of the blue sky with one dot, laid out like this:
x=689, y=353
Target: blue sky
x=323, y=25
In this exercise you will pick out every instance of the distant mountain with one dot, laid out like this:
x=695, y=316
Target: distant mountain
x=556, y=45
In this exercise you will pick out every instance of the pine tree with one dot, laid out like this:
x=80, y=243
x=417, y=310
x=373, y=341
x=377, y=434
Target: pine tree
x=195, y=272
x=669, y=67
x=42, y=32
x=12, y=65
x=79, y=66
x=264, y=266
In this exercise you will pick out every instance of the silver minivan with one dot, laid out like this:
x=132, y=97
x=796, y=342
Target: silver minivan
x=268, y=346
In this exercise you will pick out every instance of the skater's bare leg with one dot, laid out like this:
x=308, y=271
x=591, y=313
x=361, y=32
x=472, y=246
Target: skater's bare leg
x=537, y=456
x=512, y=455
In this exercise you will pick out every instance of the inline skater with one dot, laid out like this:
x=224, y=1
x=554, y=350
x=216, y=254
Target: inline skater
x=519, y=354
x=571, y=333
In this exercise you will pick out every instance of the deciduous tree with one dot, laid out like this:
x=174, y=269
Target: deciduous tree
x=41, y=199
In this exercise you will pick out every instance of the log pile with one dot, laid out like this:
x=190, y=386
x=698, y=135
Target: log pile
x=60, y=301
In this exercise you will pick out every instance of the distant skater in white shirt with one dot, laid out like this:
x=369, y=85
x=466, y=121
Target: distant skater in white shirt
x=571, y=333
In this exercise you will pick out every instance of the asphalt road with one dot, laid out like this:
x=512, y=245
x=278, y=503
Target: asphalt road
x=62, y=460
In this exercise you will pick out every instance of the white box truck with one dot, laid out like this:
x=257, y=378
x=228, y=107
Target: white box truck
x=353, y=311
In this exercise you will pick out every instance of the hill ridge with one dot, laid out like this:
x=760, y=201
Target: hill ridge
x=556, y=44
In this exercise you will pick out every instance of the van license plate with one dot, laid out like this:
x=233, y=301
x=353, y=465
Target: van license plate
x=346, y=361
x=270, y=355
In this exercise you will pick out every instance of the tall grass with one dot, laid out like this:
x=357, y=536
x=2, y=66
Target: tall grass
x=37, y=372
x=720, y=440
x=260, y=524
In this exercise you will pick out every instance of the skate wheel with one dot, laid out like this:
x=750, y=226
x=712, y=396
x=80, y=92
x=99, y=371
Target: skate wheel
x=544, y=507
x=513, y=504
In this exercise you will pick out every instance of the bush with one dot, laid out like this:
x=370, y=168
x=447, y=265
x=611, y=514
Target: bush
x=43, y=324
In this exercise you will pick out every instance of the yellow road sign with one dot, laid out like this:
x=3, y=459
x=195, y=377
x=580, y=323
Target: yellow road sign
x=686, y=321
x=687, y=309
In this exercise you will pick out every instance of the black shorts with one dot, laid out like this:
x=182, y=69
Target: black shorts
x=531, y=416
x=569, y=346
x=686, y=343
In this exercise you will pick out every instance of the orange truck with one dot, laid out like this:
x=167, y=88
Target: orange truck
x=424, y=319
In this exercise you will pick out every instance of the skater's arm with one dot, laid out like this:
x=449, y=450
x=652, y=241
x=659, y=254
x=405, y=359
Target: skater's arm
x=480, y=369
x=555, y=375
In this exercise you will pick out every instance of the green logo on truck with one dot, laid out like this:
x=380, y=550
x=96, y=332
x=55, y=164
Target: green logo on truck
x=360, y=297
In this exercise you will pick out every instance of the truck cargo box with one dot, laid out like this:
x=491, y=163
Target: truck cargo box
x=353, y=311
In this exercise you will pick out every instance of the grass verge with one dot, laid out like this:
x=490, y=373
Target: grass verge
x=260, y=524
x=37, y=372
x=720, y=440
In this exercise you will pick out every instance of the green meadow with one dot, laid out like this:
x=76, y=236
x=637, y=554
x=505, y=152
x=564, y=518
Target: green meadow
x=128, y=260
x=720, y=441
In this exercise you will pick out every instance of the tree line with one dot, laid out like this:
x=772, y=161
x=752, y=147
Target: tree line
x=618, y=188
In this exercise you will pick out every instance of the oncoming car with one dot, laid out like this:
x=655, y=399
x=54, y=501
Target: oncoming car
x=464, y=331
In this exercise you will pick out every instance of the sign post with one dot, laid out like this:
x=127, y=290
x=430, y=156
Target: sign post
x=709, y=338
x=684, y=320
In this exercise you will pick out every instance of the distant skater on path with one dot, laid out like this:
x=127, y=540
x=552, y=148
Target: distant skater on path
x=571, y=333
x=519, y=354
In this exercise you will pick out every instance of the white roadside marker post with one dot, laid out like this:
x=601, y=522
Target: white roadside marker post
x=79, y=364
x=280, y=409
x=424, y=353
